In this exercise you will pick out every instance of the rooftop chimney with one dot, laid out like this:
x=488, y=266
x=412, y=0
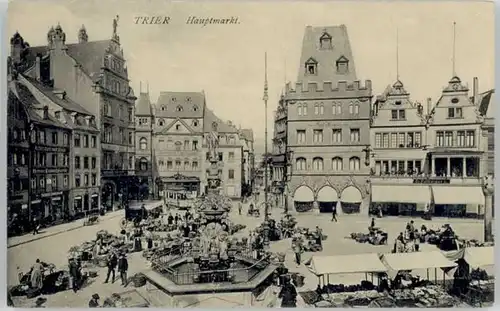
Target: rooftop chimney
x=45, y=112
x=475, y=90
x=60, y=94
x=37, y=67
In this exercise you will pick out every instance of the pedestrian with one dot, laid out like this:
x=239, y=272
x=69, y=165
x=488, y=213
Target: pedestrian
x=240, y=207
x=112, y=263
x=75, y=274
x=36, y=226
x=297, y=248
x=123, y=268
x=37, y=275
x=372, y=225
x=334, y=213
x=94, y=301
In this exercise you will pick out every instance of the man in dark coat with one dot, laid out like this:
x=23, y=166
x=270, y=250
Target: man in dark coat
x=75, y=274
x=94, y=302
x=123, y=268
x=288, y=295
x=112, y=263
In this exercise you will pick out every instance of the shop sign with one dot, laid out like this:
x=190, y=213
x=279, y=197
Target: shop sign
x=51, y=194
x=50, y=170
x=50, y=149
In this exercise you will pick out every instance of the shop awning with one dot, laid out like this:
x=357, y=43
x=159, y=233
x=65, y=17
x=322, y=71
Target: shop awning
x=344, y=264
x=351, y=195
x=95, y=195
x=457, y=195
x=401, y=194
x=303, y=194
x=416, y=260
x=328, y=194
x=480, y=256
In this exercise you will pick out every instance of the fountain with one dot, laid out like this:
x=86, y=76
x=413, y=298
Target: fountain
x=216, y=263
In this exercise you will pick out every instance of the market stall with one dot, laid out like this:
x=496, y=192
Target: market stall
x=481, y=261
x=342, y=295
x=409, y=290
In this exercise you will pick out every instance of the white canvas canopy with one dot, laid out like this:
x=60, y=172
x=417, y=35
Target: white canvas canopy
x=343, y=264
x=416, y=260
x=480, y=256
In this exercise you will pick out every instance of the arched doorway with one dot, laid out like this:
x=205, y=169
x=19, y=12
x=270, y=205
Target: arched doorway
x=350, y=200
x=108, y=195
x=327, y=199
x=303, y=199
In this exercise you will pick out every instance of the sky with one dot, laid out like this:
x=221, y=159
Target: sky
x=227, y=61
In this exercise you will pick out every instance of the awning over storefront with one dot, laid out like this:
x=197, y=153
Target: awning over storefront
x=351, y=195
x=457, y=195
x=401, y=194
x=95, y=195
x=344, y=264
x=328, y=194
x=303, y=194
x=78, y=198
x=416, y=260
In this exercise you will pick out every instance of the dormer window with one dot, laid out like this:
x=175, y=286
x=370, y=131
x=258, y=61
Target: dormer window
x=342, y=65
x=179, y=108
x=311, y=67
x=174, y=99
x=161, y=122
x=195, y=108
x=163, y=108
x=188, y=99
x=325, y=41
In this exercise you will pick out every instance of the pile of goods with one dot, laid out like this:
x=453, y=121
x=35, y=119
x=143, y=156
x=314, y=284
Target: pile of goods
x=237, y=227
x=431, y=296
x=346, y=299
x=479, y=275
x=341, y=288
x=91, y=252
x=375, y=236
x=53, y=280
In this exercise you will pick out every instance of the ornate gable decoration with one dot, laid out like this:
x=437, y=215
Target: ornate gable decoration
x=455, y=85
x=311, y=61
x=398, y=89
x=177, y=127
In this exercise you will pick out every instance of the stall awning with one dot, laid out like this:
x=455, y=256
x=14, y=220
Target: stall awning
x=457, y=195
x=416, y=260
x=343, y=264
x=401, y=194
x=303, y=194
x=480, y=256
x=351, y=195
x=328, y=194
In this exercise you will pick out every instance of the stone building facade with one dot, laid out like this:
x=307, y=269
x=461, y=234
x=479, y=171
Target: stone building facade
x=94, y=74
x=230, y=151
x=177, y=141
x=328, y=126
x=399, y=153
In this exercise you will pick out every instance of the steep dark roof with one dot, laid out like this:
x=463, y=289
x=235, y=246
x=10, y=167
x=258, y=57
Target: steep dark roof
x=222, y=127
x=65, y=103
x=169, y=102
x=31, y=103
x=247, y=134
x=325, y=57
x=89, y=55
x=143, y=105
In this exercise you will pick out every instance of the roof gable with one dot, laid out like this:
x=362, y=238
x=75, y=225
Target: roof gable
x=178, y=126
x=143, y=105
x=326, y=57
x=222, y=127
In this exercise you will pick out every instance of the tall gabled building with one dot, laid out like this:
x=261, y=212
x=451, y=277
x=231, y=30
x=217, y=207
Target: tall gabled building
x=177, y=141
x=328, y=126
x=94, y=75
x=399, y=144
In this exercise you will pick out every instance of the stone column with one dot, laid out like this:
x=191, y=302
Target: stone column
x=464, y=170
x=448, y=167
x=488, y=189
x=433, y=174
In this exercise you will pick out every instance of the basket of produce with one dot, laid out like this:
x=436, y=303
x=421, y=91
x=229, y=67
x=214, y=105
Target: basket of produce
x=139, y=280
